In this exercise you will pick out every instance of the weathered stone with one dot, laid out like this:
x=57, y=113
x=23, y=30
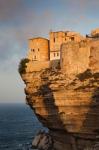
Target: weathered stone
x=43, y=141
x=67, y=110
x=74, y=58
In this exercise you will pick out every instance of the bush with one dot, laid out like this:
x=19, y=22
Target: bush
x=85, y=75
x=22, y=65
x=96, y=75
x=55, y=64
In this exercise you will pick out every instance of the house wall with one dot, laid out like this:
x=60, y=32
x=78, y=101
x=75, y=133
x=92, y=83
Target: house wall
x=37, y=65
x=58, y=38
x=74, y=58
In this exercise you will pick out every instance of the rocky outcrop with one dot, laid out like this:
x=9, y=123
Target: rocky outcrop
x=68, y=104
x=69, y=107
x=43, y=141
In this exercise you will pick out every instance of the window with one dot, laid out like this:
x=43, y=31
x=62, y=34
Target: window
x=65, y=34
x=32, y=50
x=54, y=39
x=54, y=54
x=72, y=38
x=57, y=54
x=34, y=57
x=38, y=49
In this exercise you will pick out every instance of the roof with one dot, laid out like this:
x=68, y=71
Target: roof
x=60, y=31
x=68, y=32
x=37, y=38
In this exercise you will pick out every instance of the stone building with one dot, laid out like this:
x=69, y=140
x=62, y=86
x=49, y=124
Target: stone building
x=38, y=49
x=74, y=57
x=41, y=49
x=60, y=37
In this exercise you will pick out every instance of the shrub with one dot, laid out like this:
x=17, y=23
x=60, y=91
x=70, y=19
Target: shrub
x=22, y=65
x=85, y=75
x=96, y=75
x=55, y=64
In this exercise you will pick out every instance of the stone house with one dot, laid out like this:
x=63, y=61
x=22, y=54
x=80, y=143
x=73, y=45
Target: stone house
x=38, y=49
x=74, y=57
x=41, y=49
x=60, y=37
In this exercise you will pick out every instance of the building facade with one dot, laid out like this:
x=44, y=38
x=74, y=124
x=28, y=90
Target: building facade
x=74, y=57
x=60, y=37
x=41, y=49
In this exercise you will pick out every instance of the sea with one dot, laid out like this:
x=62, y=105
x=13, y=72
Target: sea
x=18, y=126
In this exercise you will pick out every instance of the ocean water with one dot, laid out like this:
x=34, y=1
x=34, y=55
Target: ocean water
x=18, y=126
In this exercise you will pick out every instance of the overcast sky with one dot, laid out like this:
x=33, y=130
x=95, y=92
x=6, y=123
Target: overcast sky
x=23, y=19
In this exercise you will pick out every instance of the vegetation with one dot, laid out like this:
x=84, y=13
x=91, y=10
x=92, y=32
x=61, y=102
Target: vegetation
x=96, y=75
x=22, y=65
x=85, y=75
x=55, y=64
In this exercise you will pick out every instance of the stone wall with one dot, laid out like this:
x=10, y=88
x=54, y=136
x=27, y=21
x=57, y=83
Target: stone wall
x=94, y=56
x=37, y=65
x=74, y=57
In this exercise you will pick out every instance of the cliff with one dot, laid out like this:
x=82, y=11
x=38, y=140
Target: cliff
x=68, y=105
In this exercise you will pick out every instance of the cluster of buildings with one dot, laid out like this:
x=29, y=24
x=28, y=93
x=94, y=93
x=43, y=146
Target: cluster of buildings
x=74, y=52
x=42, y=49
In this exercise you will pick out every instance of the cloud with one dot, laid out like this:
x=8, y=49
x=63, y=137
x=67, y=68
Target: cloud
x=22, y=19
x=14, y=35
x=9, y=9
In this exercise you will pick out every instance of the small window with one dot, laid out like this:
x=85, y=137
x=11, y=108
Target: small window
x=65, y=34
x=54, y=54
x=72, y=38
x=35, y=57
x=32, y=50
x=38, y=49
x=54, y=39
x=57, y=54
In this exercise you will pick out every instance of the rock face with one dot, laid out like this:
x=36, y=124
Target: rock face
x=43, y=141
x=67, y=105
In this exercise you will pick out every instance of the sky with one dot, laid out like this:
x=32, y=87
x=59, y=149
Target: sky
x=23, y=19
